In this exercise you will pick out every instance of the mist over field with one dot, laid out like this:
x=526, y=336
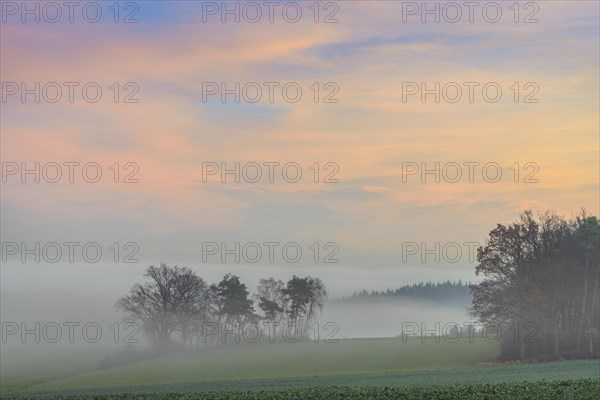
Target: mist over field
x=387, y=318
x=88, y=293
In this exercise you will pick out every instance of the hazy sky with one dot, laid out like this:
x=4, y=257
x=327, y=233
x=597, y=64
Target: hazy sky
x=371, y=137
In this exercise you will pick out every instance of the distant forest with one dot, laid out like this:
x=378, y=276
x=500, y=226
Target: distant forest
x=448, y=292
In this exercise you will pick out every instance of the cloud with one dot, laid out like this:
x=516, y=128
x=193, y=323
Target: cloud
x=369, y=133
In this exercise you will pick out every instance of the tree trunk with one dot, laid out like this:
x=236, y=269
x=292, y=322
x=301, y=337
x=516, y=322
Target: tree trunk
x=594, y=316
x=556, y=338
x=583, y=304
x=522, y=349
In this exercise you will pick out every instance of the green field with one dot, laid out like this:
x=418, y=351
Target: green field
x=365, y=363
x=584, y=389
x=264, y=361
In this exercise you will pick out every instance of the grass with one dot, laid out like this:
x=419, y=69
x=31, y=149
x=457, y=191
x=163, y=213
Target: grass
x=281, y=360
x=23, y=367
x=315, y=370
x=486, y=375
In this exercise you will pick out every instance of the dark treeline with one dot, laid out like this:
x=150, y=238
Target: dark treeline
x=176, y=307
x=542, y=286
x=448, y=292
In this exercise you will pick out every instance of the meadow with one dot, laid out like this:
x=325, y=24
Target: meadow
x=385, y=368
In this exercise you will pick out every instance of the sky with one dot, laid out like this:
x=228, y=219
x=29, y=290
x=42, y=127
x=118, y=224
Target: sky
x=371, y=219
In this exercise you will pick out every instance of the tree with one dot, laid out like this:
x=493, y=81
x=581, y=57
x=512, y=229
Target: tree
x=542, y=272
x=270, y=299
x=318, y=298
x=233, y=303
x=587, y=233
x=169, y=302
x=304, y=298
x=174, y=304
x=194, y=304
x=153, y=303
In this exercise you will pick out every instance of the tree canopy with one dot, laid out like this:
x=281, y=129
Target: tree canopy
x=542, y=282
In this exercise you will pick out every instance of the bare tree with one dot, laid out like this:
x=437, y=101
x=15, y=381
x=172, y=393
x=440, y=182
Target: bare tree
x=166, y=303
x=193, y=304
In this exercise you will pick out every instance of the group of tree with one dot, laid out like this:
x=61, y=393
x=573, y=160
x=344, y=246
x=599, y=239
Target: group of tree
x=176, y=306
x=448, y=292
x=541, y=286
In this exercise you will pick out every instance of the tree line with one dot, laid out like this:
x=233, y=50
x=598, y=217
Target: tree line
x=448, y=292
x=542, y=284
x=175, y=306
